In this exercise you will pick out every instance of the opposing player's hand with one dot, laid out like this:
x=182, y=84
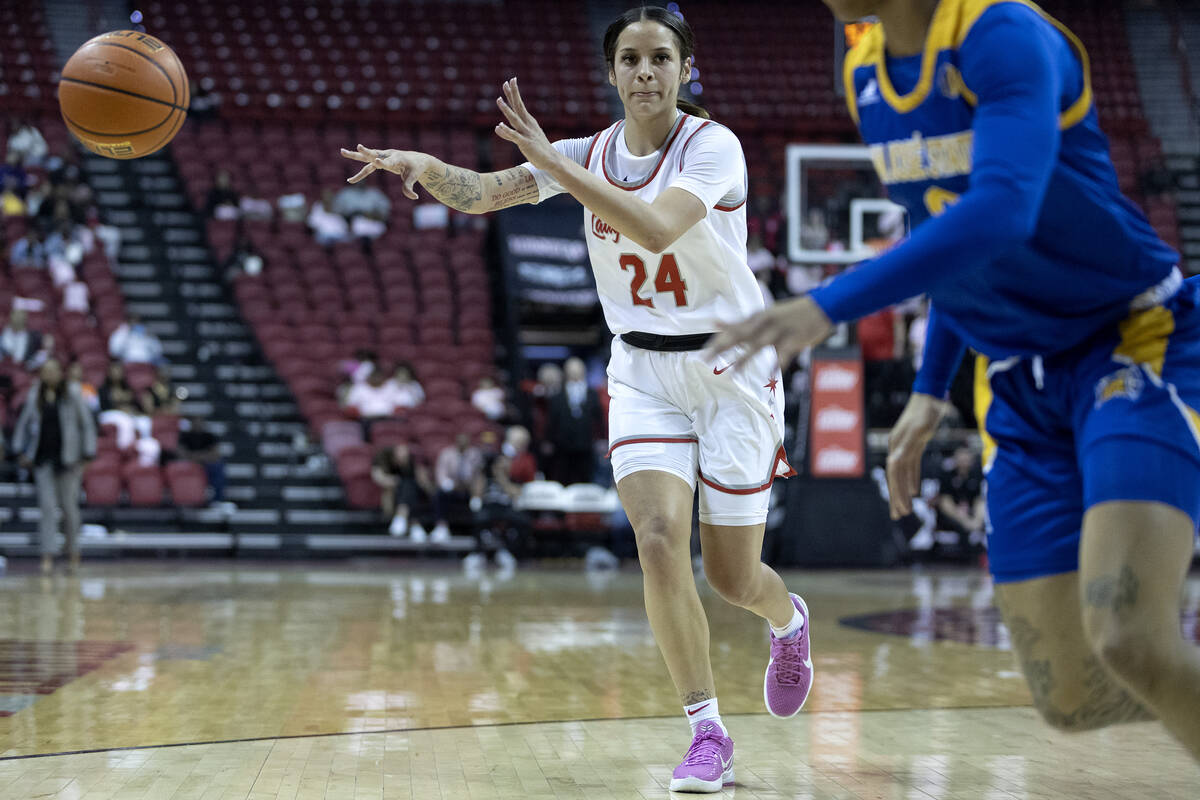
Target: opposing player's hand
x=523, y=130
x=789, y=326
x=906, y=445
x=407, y=164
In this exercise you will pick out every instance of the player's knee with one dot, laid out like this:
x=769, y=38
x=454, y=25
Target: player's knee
x=1122, y=645
x=657, y=544
x=734, y=586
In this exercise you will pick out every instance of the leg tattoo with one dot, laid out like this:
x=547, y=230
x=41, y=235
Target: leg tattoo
x=1113, y=592
x=691, y=698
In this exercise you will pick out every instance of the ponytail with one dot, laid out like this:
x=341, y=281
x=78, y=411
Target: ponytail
x=688, y=107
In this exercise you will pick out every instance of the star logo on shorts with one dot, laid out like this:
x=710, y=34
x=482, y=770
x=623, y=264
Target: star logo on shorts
x=771, y=384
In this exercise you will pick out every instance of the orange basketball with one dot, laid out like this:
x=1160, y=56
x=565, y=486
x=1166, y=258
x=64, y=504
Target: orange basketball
x=124, y=94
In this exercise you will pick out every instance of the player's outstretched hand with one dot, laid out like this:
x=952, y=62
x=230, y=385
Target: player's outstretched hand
x=789, y=326
x=408, y=165
x=523, y=130
x=906, y=445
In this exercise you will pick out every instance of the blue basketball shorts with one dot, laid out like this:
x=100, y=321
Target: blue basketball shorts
x=1114, y=418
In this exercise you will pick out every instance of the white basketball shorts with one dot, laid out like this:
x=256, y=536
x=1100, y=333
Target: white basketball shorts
x=702, y=421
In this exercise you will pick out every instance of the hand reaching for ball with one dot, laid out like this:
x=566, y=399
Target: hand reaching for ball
x=408, y=164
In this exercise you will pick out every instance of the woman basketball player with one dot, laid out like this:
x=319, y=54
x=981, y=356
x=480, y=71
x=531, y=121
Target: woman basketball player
x=979, y=118
x=664, y=200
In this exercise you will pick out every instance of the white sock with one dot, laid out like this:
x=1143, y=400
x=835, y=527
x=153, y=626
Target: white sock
x=792, y=627
x=704, y=711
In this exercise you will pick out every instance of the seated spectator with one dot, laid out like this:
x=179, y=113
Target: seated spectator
x=197, y=443
x=373, y=398
x=17, y=343
x=460, y=479
x=488, y=397
x=120, y=408
x=26, y=144
x=245, y=258
x=292, y=207
x=91, y=398
x=960, y=503
x=44, y=353
x=328, y=226
x=360, y=366
x=28, y=251
x=407, y=390
x=160, y=397
x=131, y=343
x=204, y=103
x=11, y=202
x=522, y=466
x=223, y=200
x=503, y=528
x=404, y=482
x=359, y=199
x=40, y=195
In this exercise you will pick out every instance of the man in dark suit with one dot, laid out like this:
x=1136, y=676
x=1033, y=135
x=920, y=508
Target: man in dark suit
x=574, y=416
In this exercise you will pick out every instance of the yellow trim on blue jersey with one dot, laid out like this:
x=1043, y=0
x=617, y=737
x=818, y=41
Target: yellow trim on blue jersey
x=952, y=21
x=1144, y=338
x=983, y=402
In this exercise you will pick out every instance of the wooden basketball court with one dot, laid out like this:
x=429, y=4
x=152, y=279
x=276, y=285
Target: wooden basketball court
x=388, y=680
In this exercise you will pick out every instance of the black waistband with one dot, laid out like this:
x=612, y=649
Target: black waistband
x=667, y=344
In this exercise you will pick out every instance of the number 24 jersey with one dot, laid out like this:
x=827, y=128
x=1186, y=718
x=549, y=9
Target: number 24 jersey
x=702, y=278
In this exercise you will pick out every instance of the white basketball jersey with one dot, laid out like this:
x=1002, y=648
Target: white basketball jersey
x=702, y=279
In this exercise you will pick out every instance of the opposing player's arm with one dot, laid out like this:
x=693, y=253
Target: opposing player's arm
x=457, y=187
x=1011, y=67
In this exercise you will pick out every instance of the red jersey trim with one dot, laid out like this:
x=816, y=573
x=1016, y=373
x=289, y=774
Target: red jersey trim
x=666, y=152
x=719, y=207
x=648, y=439
x=688, y=140
x=587, y=162
x=780, y=457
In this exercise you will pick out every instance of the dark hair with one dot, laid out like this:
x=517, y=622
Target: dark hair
x=673, y=22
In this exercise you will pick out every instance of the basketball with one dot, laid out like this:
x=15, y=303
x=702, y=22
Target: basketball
x=123, y=94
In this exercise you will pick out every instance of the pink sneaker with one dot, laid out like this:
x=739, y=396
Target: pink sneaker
x=790, y=672
x=708, y=764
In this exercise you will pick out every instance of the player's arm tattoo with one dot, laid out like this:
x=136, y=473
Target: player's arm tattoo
x=1113, y=592
x=459, y=188
x=512, y=187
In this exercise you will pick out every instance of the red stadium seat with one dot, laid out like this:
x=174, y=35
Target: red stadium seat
x=145, y=486
x=188, y=483
x=102, y=483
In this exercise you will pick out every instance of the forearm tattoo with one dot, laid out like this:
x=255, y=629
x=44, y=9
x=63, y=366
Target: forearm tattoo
x=461, y=189
x=511, y=187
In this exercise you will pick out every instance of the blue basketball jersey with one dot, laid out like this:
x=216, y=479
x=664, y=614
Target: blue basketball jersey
x=1091, y=251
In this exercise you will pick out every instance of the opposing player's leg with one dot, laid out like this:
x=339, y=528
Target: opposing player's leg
x=1035, y=504
x=1133, y=561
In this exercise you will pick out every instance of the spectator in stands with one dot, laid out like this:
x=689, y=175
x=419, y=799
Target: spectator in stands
x=13, y=177
x=372, y=399
x=29, y=251
x=459, y=476
x=489, y=398
x=502, y=527
x=361, y=200
x=12, y=204
x=405, y=387
x=359, y=367
x=204, y=103
x=293, y=207
x=68, y=242
x=814, y=233
x=45, y=352
x=26, y=144
x=960, y=503
x=762, y=264
x=131, y=343
x=160, y=397
x=888, y=375
x=223, y=200
x=404, y=482
x=91, y=397
x=245, y=258
x=120, y=408
x=550, y=380
x=328, y=226
x=522, y=466
x=571, y=430
x=197, y=443
x=54, y=438
x=17, y=343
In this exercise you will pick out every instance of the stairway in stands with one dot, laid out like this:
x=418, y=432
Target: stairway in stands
x=167, y=275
